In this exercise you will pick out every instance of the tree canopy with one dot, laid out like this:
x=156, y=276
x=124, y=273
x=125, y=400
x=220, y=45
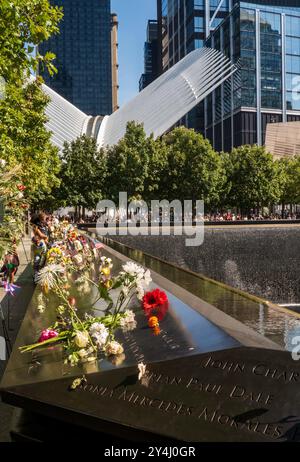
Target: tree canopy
x=254, y=178
x=24, y=139
x=194, y=170
x=82, y=174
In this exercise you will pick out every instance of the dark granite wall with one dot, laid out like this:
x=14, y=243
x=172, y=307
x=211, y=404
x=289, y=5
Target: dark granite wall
x=263, y=261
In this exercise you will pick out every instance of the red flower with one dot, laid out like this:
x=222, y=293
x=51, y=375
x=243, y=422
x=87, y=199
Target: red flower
x=21, y=187
x=155, y=303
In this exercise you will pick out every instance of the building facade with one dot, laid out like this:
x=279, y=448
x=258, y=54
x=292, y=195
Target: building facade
x=83, y=55
x=115, y=62
x=183, y=27
x=264, y=39
x=151, y=56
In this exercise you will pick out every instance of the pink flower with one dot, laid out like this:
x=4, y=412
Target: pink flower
x=47, y=334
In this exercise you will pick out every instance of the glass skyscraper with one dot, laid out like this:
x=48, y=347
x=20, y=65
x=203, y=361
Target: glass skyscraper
x=151, y=56
x=184, y=26
x=83, y=55
x=264, y=39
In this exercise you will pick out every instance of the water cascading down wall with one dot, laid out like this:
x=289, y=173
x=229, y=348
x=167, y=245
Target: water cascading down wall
x=263, y=261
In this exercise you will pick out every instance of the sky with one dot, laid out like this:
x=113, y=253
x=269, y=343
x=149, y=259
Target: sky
x=133, y=16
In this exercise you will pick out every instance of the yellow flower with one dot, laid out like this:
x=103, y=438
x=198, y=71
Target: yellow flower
x=105, y=271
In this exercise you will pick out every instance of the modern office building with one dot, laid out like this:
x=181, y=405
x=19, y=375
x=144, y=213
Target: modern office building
x=151, y=56
x=183, y=27
x=114, y=61
x=264, y=38
x=83, y=52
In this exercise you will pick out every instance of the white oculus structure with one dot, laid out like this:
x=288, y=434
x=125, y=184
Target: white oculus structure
x=158, y=107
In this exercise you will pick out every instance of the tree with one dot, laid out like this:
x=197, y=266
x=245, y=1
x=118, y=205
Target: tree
x=128, y=163
x=254, y=178
x=24, y=139
x=194, y=170
x=157, y=163
x=82, y=174
x=12, y=207
x=290, y=174
x=24, y=25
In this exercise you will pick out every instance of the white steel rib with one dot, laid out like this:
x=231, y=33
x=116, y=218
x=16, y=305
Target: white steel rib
x=158, y=107
x=66, y=121
x=170, y=97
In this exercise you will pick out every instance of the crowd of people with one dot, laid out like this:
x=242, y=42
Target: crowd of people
x=44, y=233
x=208, y=217
x=229, y=216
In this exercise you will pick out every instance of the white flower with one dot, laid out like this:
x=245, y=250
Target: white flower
x=78, y=246
x=129, y=317
x=78, y=259
x=128, y=321
x=106, y=262
x=142, y=370
x=41, y=298
x=133, y=269
x=114, y=348
x=96, y=328
x=147, y=278
x=82, y=353
x=99, y=334
x=81, y=339
x=85, y=353
x=41, y=308
x=2, y=162
x=140, y=292
x=142, y=277
x=49, y=275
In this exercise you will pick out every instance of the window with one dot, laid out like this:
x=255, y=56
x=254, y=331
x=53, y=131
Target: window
x=293, y=100
x=293, y=46
x=293, y=26
x=270, y=23
x=247, y=19
x=271, y=62
x=247, y=40
x=292, y=82
x=293, y=64
x=270, y=43
x=198, y=24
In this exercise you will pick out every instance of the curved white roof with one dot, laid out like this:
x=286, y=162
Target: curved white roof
x=170, y=97
x=66, y=121
x=158, y=107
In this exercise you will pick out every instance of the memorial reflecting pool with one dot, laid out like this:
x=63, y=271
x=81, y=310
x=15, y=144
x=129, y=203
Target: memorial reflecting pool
x=275, y=324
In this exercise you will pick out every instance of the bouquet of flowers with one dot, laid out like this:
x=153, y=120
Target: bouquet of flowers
x=85, y=338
